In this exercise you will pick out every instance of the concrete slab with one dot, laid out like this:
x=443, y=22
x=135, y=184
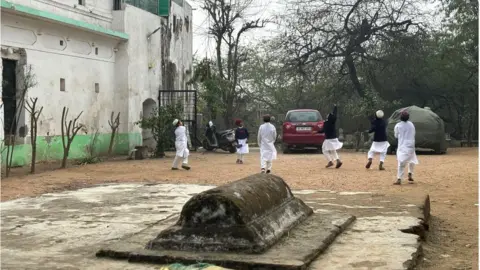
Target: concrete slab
x=387, y=246
x=295, y=251
x=65, y=230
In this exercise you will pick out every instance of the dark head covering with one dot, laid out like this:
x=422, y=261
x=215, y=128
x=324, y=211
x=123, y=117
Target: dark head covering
x=266, y=118
x=238, y=122
x=404, y=116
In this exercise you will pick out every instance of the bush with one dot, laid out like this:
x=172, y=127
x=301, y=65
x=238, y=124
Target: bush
x=160, y=123
x=89, y=160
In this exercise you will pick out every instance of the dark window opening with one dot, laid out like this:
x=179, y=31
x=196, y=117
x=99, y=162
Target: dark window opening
x=96, y=51
x=61, y=42
x=62, y=84
x=9, y=97
x=174, y=23
x=117, y=4
x=97, y=88
x=81, y=2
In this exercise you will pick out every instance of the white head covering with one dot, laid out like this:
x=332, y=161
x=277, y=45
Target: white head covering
x=175, y=122
x=379, y=114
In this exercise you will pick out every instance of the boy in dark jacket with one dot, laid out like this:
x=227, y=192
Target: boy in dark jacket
x=380, y=142
x=241, y=136
x=331, y=143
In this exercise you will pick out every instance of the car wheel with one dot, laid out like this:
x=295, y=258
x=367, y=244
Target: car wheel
x=319, y=149
x=391, y=150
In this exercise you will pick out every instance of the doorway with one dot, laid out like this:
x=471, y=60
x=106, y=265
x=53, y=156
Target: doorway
x=148, y=108
x=9, y=97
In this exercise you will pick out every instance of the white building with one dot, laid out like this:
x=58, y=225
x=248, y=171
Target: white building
x=95, y=56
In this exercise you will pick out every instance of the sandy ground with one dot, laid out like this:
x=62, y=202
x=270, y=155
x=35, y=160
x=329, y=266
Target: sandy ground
x=451, y=180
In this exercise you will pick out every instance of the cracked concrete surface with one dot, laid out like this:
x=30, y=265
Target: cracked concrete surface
x=64, y=230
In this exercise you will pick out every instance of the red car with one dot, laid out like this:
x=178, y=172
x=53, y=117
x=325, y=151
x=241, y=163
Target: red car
x=300, y=130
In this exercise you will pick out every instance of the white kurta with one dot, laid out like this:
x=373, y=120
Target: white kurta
x=181, y=143
x=405, y=133
x=331, y=145
x=379, y=147
x=244, y=149
x=267, y=134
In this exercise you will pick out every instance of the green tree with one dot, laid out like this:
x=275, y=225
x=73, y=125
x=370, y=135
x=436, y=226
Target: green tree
x=160, y=123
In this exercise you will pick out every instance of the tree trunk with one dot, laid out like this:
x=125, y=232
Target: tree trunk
x=112, y=138
x=227, y=118
x=470, y=130
x=65, y=154
x=64, y=161
x=8, y=159
x=219, y=56
x=352, y=70
x=34, y=154
x=33, y=142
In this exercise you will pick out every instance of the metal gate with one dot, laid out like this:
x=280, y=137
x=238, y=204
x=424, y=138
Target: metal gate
x=188, y=98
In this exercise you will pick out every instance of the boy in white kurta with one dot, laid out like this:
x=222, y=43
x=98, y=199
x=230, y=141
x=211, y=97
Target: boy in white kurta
x=267, y=134
x=405, y=133
x=181, y=145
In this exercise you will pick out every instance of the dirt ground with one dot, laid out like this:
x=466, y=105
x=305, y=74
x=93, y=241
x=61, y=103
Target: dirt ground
x=451, y=180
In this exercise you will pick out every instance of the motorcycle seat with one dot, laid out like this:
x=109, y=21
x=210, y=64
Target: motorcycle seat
x=224, y=132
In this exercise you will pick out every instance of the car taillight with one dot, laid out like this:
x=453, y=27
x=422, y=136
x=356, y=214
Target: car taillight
x=288, y=126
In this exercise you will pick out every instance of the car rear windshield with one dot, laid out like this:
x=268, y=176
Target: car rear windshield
x=307, y=116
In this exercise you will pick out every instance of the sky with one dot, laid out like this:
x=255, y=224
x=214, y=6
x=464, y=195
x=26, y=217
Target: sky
x=203, y=45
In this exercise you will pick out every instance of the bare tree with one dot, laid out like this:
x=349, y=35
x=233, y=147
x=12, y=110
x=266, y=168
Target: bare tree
x=348, y=32
x=28, y=80
x=34, y=115
x=114, y=123
x=69, y=130
x=228, y=25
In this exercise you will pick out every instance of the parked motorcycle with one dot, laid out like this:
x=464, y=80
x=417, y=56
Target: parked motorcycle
x=224, y=140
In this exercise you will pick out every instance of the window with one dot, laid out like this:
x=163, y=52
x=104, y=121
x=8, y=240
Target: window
x=117, y=4
x=96, y=50
x=304, y=116
x=97, y=88
x=62, y=84
x=61, y=42
x=81, y=2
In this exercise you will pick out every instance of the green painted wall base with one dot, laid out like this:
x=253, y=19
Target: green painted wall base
x=51, y=148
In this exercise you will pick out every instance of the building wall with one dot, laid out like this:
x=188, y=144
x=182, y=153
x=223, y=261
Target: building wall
x=180, y=56
x=141, y=73
x=142, y=78
x=97, y=12
x=58, y=52
x=129, y=73
x=181, y=52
